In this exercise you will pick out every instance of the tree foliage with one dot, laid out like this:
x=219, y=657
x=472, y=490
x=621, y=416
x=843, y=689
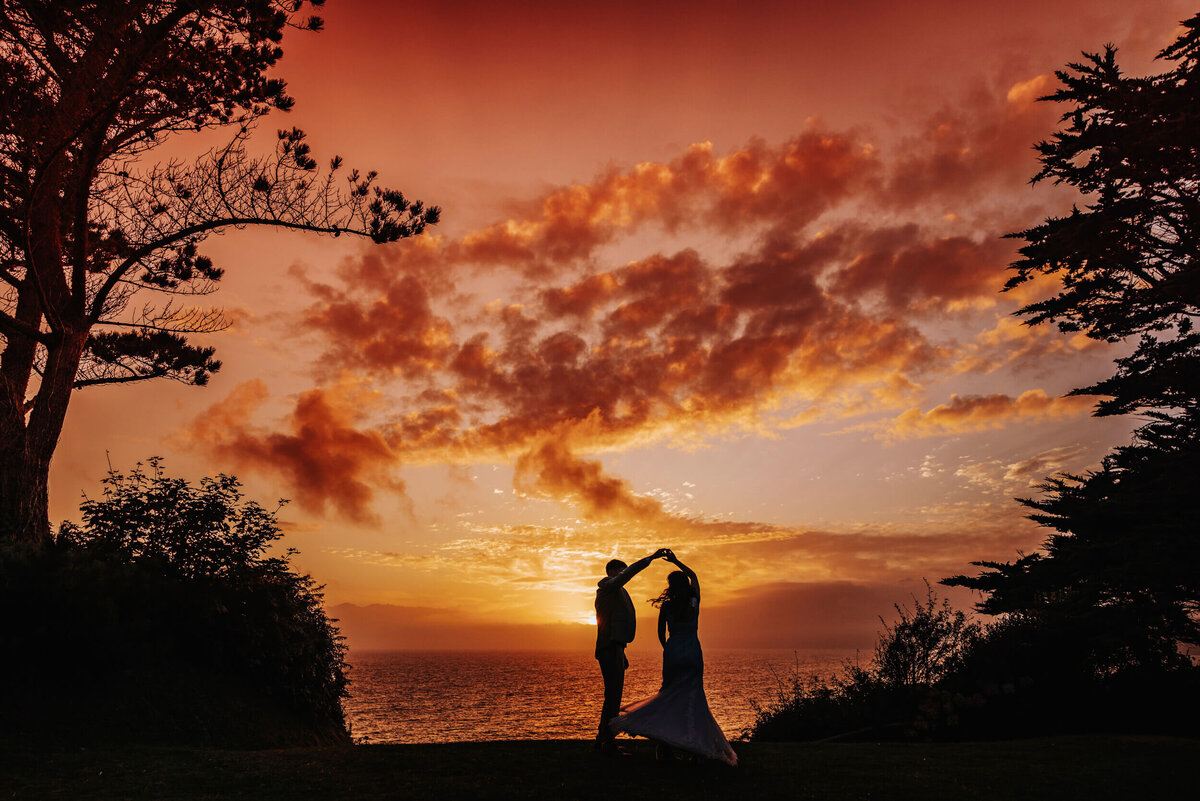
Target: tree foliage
x=937, y=674
x=1127, y=262
x=924, y=643
x=207, y=531
x=165, y=614
x=1123, y=562
x=99, y=245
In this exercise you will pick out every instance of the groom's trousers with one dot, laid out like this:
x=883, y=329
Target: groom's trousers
x=612, y=667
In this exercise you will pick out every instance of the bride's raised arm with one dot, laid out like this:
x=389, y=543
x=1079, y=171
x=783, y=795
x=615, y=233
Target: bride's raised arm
x=691, y=574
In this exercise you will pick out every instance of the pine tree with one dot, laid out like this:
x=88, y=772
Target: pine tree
x=1124, y=561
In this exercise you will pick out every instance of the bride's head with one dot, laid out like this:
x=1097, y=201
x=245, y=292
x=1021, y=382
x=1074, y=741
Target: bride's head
x=679, y=588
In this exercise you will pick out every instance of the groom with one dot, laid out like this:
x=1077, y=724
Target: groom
x=615, y=625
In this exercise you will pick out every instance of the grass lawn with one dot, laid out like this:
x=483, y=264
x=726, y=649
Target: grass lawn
x=1085, y=767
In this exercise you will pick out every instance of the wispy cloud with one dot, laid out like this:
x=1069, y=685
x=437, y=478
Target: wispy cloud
x=972, y=413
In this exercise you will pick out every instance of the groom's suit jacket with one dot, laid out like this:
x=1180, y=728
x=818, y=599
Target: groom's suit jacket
x=616, y=620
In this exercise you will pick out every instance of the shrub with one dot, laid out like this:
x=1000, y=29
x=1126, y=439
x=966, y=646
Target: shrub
x=162, y=617
x=1033, y=674
x=937, y=675
x=924, y=644
x=888, y=699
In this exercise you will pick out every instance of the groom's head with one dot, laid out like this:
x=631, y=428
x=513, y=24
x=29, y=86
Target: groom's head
x=614, y=567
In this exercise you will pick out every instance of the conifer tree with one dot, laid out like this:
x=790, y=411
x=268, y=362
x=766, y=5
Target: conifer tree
x=1124, y=559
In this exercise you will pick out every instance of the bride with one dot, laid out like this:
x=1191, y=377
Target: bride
x=678, y=715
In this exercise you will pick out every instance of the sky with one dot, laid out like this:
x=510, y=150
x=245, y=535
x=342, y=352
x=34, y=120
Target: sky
x=719, y=277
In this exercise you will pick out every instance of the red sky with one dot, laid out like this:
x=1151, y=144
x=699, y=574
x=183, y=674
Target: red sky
x=721, y=277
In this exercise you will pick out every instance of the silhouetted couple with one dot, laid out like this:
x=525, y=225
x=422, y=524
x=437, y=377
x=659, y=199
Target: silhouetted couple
x=677, y=716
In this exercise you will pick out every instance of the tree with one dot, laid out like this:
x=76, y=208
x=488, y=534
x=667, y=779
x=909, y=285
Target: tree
x=87, y=92
x=1128, y=263
x=1124, y=563
x=1121, y=568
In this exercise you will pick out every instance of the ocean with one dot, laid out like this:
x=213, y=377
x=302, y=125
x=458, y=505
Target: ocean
x=457, y=696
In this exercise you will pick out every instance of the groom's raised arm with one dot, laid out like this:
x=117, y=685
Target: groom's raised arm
x=632, y=570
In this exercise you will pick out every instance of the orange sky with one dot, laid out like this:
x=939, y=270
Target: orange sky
x=721, y=277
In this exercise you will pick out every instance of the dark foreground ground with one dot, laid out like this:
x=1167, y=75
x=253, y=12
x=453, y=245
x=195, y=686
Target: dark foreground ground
x=1085, y=767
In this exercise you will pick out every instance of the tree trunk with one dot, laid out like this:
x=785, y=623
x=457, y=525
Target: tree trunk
x=24, y=498
x=27, y=449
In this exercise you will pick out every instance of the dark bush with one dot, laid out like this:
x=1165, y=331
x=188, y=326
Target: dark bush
x=1037, y=674
x=162, y=618
x=890, y=698
x=935, y=675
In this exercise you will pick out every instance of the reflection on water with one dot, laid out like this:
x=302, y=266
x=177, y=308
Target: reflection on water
x=445, y=696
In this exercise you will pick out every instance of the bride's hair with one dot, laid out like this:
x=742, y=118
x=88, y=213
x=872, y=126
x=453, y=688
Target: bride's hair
x=679, y=589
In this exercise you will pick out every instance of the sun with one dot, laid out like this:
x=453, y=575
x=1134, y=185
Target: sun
x=587, y=620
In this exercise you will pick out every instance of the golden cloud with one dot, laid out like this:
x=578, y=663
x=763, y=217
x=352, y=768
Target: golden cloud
x=325, y=455
x=971, y=413
x=550, y=468
x=789, y=185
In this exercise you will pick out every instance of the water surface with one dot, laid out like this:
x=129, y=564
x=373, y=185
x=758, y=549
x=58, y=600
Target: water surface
x=455, y=696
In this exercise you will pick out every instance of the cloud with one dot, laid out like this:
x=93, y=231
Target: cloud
x=1037, y=467
x=1022, y=95
x=325, y=455
x=994, y=475
x=764, y=586
x=985, y=476
x=786, y=185
x=552, y=469
x=971, y=413
x=669, y=346
x=648, y=290
x=728, y=556
x=985, y=138
x=393, y=332
x=1012, y=343
x=662, y=341
x=515, y=343
x=839, y=614
x=909, y=268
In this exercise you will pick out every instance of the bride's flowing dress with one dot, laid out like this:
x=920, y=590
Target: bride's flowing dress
x=678, y=713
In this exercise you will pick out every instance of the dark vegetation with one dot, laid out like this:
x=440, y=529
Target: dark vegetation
x=936, y=675
x=1094, y=631
x=164, y=618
